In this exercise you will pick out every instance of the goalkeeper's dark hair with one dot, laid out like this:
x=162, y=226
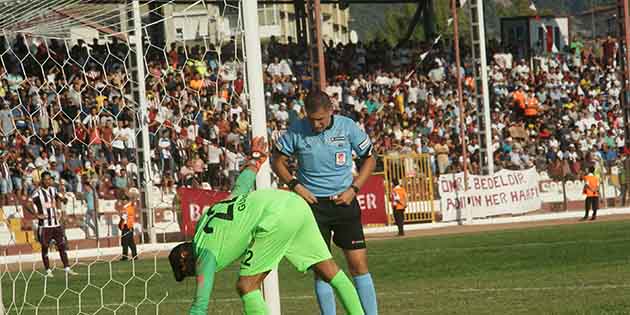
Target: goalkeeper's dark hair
x=182, y=261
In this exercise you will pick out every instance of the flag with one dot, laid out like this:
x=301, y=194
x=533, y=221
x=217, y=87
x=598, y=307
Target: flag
x=532, y=6
x=450, y=21
x=437, y=40
x=423, y=56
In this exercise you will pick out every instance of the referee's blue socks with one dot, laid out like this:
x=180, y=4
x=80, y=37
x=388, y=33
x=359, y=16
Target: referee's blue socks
x=325, y=297
x=367, y=294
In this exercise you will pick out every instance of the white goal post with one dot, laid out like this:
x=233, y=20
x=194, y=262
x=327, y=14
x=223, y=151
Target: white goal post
x=120, y=31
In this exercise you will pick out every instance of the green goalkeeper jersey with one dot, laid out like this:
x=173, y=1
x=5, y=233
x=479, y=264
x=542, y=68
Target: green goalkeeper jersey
x=226, y=228
x=225, y=231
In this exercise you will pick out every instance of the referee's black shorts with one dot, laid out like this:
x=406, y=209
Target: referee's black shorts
x=342, y=222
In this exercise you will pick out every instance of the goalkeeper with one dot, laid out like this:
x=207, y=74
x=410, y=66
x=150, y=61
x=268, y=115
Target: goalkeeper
x=259, y=227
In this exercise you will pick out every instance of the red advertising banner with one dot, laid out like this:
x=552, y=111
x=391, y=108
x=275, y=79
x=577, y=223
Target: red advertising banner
x=371, y=199
x=194, y=202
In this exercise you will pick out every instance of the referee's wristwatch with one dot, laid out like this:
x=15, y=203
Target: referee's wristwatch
x=294, y=182
x=355, y=188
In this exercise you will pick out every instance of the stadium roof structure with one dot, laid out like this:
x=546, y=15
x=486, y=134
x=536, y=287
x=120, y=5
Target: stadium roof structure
x=262, y=1
x=53, y=18
x=50, y=17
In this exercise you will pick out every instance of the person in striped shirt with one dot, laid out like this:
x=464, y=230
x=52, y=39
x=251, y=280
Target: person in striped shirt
x=44, y=205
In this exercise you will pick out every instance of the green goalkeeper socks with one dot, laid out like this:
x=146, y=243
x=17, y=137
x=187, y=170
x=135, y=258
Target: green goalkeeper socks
x=347, y=293
x=254, y=304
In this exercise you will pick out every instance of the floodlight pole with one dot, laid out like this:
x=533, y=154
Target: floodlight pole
x=624, y=61
x=480, y=67
x=315, y=47
x=460, y=97
x=144, y=162
x=271, y=289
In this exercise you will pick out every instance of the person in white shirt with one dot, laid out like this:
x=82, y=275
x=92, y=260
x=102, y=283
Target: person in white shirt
x=274, y=68
x=233, y=160
x=215, y=157
x=118, y=143
x=130, y=136
x=235, y=110
x=285, y=68
x=282, y=115
x=413, y=92
x=167, y=164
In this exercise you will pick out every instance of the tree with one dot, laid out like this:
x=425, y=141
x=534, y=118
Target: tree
x=397, y=21
x=397, y=17
x=443, y=14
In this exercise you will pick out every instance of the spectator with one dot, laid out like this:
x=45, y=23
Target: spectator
x=442, y=152
x=90, y=196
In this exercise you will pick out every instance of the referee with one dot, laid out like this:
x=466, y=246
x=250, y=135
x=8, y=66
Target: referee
x=323, y=144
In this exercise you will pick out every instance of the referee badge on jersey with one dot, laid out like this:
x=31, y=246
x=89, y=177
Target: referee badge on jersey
x=340, y=158
x=338, y=141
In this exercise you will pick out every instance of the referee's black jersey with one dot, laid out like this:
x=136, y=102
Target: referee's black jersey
x=44, y=201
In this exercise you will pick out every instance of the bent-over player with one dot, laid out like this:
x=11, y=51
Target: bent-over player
x=260, y=227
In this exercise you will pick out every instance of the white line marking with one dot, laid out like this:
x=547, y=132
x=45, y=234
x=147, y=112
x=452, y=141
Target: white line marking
x=440, y=291
x=517, y=245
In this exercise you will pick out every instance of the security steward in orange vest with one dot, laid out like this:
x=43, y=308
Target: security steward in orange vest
x=591, y=190
x=399, y=203
x=126, y=223
x=531, y=107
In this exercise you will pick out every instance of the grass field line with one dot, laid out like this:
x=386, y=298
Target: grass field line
x=516, y=245
x=407, y=252
x=380, y=294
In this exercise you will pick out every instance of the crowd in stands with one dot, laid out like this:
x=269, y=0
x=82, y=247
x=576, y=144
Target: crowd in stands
x=558, y=112
x=70, y=109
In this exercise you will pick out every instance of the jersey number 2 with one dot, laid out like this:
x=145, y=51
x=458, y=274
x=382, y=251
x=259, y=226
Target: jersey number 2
x=228, y=216
x=248, y=257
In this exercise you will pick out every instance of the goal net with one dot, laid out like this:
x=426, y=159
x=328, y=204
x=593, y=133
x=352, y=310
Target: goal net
x=70, y=104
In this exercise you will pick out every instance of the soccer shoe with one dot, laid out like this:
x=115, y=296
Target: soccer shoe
x=49, y=274
x=71, y=272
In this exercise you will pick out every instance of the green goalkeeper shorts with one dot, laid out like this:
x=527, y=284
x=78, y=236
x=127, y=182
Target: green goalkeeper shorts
x=289, y=231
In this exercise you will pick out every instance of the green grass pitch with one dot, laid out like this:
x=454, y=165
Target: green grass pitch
x=571, y=269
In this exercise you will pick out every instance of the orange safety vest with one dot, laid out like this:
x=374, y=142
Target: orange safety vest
x=130, y=210
x=400, y=198
x=531, y=108
x=519, y=98
x=591, y=189
x=470, y=82
x=196, y=84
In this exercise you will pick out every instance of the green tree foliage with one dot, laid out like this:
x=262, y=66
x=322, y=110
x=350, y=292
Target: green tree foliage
x=390, y=22
x=397, y=20
x=443, y=12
